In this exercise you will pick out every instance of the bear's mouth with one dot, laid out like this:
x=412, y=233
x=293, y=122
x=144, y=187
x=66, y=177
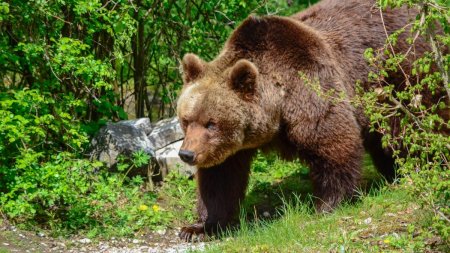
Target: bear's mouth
x=203, y=161
x=193, y=163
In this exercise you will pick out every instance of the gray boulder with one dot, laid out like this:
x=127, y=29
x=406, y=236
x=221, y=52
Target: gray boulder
x=121, y=138
x=165, y=132
x=161, y=141
x=169, y=160
x=167, y=137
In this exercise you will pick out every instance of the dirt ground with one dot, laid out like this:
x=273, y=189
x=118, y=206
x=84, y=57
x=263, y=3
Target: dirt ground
x=15, y=240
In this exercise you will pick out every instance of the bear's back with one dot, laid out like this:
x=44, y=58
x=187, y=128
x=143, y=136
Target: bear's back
x=352, y=26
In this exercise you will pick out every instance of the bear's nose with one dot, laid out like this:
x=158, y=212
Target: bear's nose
x=186, y=155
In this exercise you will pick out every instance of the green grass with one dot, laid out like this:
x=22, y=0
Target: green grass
x=274, y=182
x=384, y=219
x=387, y=221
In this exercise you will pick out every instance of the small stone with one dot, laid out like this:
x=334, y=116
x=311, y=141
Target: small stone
x=266, y=214
x=161, y=232
x=40, y=234
x=368, y=221
x=6, y=244
x=135, y=241
x=85, y=240
x=104, y=246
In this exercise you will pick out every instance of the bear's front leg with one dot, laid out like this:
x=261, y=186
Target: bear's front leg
x=333, y=182
x=221, y=189
x=333, y=147
x=336, y=170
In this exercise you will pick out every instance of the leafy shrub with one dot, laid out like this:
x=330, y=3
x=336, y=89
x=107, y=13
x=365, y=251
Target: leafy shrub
x=69, y=194
x=34, y=125
x=178, y=194
x=421, y=142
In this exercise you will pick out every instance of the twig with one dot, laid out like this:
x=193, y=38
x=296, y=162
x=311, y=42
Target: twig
x=403, y=109
x=134, y=7
x=443, y=215
x=436, y=52
x=61, y=19
x=439, y=62
x=47, y=58
x=422, y=21
x=392, y=48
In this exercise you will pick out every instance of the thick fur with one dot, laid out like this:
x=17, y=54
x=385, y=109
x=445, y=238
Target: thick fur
x=252, y=96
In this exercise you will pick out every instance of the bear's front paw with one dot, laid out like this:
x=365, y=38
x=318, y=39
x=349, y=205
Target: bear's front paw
x=187, y=233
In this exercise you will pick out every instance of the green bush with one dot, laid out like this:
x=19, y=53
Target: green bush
x=421, y=144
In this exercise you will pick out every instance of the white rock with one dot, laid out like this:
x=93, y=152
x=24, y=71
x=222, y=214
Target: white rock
x=169, y=160
x=161, y=232
x=368, y=221
x=85, y=240
x=165, y=132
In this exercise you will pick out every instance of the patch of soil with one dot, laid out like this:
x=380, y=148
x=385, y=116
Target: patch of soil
x=15, y=240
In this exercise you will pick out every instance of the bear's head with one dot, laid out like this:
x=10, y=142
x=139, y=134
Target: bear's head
x=235, y=101
x=220, y=110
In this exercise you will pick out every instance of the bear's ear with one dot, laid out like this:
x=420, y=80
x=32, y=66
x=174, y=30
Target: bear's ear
x=193, y=67
x=243, y=79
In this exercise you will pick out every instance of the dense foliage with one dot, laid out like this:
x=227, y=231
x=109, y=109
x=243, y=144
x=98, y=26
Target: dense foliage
x=421, y=142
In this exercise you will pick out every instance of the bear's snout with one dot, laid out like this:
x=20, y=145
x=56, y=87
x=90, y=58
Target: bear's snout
x=187, y=156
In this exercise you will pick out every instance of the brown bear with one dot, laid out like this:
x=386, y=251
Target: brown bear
x=252, y=96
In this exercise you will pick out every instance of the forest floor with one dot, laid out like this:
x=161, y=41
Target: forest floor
x=14, y=240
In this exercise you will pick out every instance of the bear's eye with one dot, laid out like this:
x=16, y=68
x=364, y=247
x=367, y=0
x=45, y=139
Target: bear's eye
x=184, y=123
x=210, y=125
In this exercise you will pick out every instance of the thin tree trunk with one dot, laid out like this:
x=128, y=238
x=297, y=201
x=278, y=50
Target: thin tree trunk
x=140, y=86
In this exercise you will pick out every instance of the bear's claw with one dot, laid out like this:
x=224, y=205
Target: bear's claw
x=187, y=233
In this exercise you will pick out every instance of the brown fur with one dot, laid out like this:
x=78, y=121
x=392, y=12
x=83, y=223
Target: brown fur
x=252, y=96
